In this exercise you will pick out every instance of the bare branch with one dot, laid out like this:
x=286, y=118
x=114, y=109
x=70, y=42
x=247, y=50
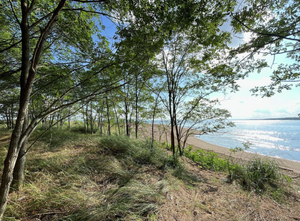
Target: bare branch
x=279, y=37
x=14, y=12
x=88, y=11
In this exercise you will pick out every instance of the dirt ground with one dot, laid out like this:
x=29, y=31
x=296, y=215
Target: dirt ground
x=206, y=195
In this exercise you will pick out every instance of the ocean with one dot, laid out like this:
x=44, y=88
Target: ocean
x=275, y=138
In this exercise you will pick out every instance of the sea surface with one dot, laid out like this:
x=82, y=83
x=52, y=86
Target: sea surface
x=275, y=138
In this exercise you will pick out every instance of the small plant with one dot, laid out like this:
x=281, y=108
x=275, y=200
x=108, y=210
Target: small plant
x=259, y=174
x=207, y=159
x=235, y=170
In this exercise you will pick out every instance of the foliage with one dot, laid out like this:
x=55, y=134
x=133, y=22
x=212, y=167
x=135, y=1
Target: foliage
x=208, y=160
x=274, y=26
x=87, y=179
x=188, y=81
x=258, y=174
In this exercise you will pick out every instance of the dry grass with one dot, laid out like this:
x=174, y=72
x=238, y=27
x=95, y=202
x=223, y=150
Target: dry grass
x=81, y=178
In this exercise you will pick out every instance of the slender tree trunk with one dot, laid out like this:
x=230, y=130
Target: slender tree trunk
x=172, y=136
x=7, y=119
x=26, y=86
x=117, y=118
x=87, y=117
x=101, y=124
x=84, y=121
x=69, y=119
x=126, y=120
x=171, y=111
x=153, y=117
x=136, y=107
x=108, y=118
x=12, y=115
x=92, y=120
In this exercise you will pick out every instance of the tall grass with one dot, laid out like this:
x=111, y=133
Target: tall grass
x=74, y=177
x=260, y=175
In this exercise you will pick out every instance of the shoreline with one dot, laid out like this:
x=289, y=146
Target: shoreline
x=162, y=133
x=242, y=155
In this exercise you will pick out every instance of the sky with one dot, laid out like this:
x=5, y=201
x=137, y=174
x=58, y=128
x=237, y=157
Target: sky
x=242, y=104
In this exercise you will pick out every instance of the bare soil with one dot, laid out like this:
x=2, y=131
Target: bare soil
x=206, y=195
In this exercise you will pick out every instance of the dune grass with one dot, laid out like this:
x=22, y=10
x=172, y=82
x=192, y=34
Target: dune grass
x=75, y=176
x=261, y=175
x=72, y=176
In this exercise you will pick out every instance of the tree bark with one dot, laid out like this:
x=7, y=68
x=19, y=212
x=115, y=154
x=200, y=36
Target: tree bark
x=136, y=107
x=92, y=120
x=28, y=72
x=18, y=174
x=108, y=118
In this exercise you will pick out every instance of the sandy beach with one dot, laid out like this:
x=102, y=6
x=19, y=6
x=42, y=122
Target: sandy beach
x=163, y=134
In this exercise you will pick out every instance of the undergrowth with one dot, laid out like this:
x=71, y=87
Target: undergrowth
x=260, y=175
x=72, y=176
x=91, y=178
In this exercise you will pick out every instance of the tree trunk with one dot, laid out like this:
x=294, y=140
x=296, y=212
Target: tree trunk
x=107, y=114
x=117, y=118
x=87, y=118
x=126, y=120
x=84, y=121
x=92, y=120
x=28, y=72
x=18, y=174
x=153, y=117
x=69, y=119
x=12, y=115
x=136, y=107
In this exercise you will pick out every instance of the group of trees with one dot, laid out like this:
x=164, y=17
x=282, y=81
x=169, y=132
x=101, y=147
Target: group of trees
x=56, y=61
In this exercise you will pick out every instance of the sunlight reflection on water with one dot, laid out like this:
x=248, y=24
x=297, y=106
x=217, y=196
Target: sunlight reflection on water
x=276, y=138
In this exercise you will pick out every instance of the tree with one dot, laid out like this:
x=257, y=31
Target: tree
x=275, y=29
x=194, y=68
x=41, y=35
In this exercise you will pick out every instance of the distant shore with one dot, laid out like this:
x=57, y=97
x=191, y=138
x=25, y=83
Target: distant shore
x=284, y=118
x=163, y=134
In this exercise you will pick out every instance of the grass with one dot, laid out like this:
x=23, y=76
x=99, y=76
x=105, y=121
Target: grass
x=84, y=177
x=75, y=176
x=260, y=175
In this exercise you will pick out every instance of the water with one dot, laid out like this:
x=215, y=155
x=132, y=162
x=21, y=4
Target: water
x=276, y=138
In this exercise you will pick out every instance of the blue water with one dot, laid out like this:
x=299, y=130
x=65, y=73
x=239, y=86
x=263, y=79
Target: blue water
x=276, y=138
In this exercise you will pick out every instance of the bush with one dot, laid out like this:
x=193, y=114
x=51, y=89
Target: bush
x=207, y=159
x=260, y=174
x=137, y=151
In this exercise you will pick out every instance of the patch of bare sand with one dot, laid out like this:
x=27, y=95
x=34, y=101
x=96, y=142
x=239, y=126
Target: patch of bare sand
x=162, y=133
x=205, y=195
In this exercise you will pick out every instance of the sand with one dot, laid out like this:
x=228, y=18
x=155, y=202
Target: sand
x=163, y=134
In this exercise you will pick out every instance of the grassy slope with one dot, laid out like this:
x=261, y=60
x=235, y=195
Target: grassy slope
x=72, y=176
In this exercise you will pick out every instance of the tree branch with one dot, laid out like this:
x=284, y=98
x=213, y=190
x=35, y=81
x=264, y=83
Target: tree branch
x=14, y=12
x=99, y=1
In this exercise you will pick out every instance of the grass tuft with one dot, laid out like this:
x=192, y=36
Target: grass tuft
x=70, y=176
x=260, y=175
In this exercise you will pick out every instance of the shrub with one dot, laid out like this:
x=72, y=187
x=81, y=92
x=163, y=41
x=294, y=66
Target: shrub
x=259, y=174
x=207, y=159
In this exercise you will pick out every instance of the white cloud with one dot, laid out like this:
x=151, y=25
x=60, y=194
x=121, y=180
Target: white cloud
x=243, y=105
x=247, y=37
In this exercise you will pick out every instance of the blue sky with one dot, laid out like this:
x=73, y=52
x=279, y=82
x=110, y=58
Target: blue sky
x=242, y=104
